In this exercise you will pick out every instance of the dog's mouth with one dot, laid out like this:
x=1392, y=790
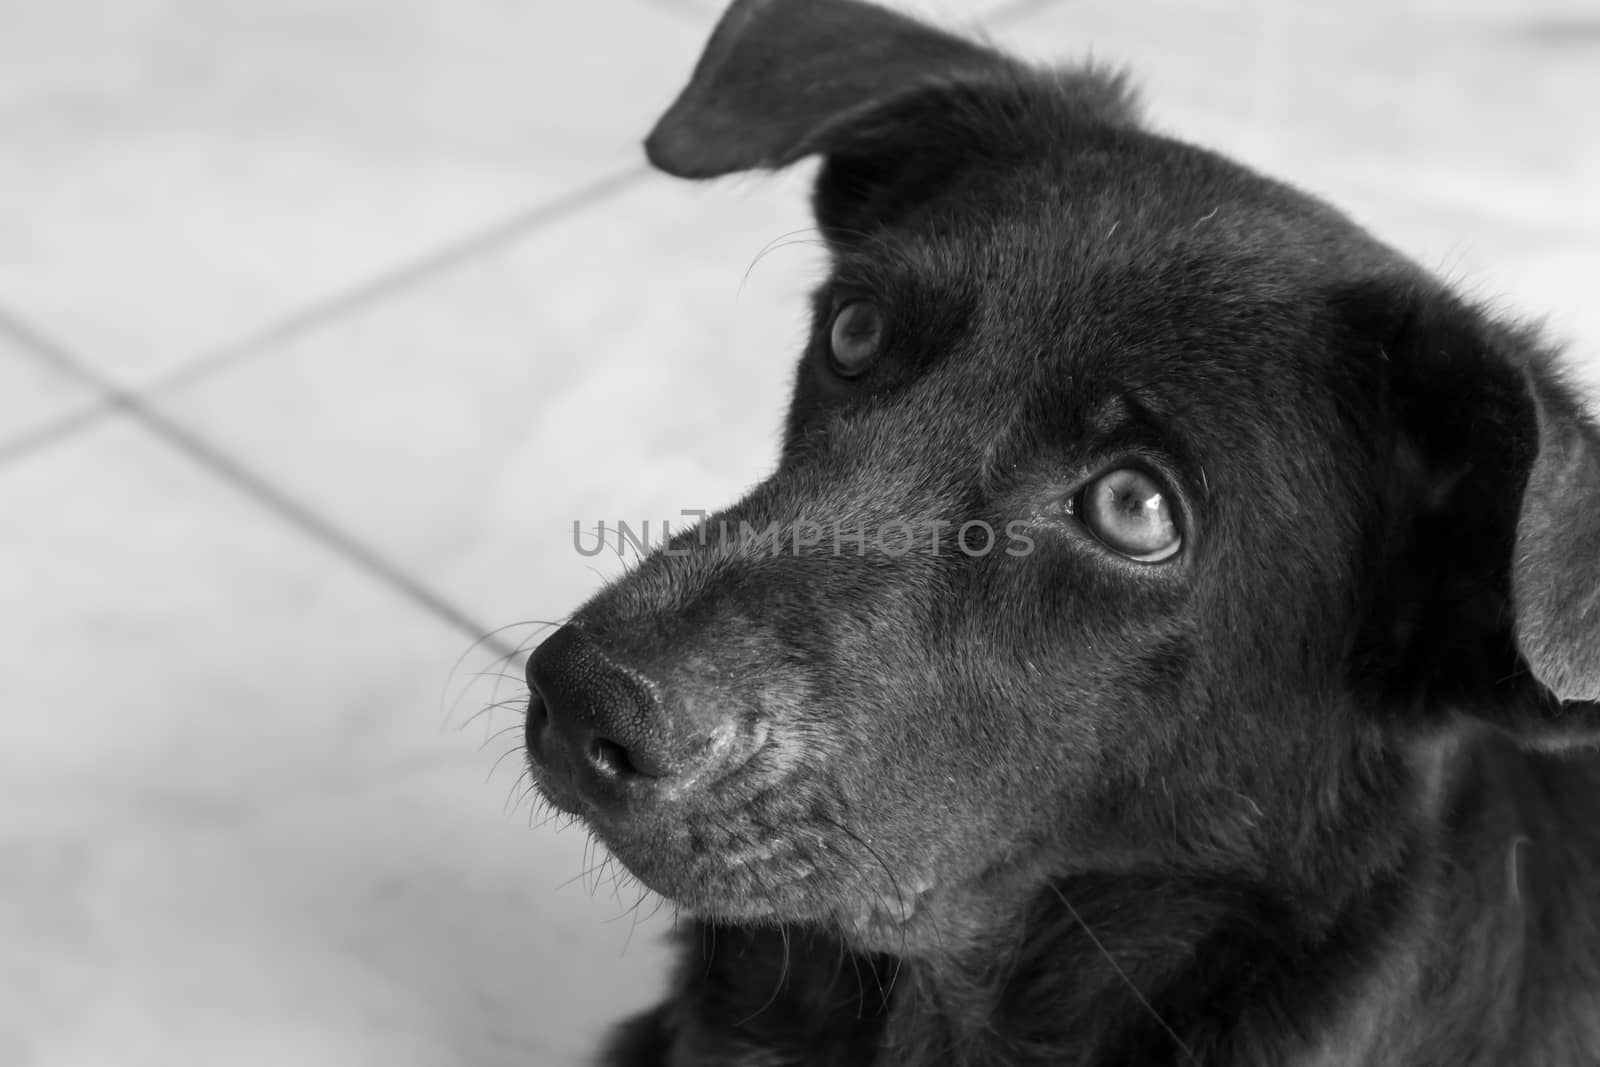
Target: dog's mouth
x=777, y=884
x=760, y=863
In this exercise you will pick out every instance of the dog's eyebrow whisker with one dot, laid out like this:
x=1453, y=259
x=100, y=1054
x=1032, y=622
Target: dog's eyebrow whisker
x=767, y=251
x=1123, y=975
x=836, y=234
x=783, y=240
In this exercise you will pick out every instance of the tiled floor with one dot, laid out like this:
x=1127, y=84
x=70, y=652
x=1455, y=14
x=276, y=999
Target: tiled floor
x=320, y=322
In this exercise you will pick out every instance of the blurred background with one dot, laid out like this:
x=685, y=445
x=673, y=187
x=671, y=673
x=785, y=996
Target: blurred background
x=321, y=321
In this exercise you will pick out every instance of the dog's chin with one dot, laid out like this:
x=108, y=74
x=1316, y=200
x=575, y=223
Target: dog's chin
x=931, y=923
x=912, y=918
x=728, y=870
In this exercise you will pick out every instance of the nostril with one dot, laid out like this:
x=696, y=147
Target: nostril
x=533, y=726
x=610, y=759
x=592, y=722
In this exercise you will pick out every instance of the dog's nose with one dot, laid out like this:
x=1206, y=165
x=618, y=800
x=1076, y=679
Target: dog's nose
x=597, y=728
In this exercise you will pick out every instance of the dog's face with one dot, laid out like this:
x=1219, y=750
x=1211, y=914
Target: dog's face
x=1103, y=521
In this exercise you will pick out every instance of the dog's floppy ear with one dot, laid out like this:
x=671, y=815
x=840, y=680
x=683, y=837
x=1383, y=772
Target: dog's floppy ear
x=783, y=79
x=1489, y=594
x=1555, y=575
x=877, y=92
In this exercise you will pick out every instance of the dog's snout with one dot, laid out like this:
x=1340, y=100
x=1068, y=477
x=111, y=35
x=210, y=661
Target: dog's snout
x=597, y=727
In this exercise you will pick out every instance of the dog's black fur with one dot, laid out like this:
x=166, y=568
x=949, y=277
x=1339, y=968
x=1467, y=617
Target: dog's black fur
x=1320, y=789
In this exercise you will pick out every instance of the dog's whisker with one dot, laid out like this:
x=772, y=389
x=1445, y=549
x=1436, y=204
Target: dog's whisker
x=489, y=637
x=1123, y=976
x=633, y=915
x=517, y=705
x=499, y=734
x=523, y=788
x=526, y=787
x=517, y=653
x=777, y=986
x=516, y=750
x=894, y=882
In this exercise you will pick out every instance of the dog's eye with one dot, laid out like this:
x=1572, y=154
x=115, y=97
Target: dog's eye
x=854, y=339
x=1128, y=513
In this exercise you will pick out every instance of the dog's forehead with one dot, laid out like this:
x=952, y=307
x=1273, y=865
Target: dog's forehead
x=1066, y=214
x=1123, y=248
x=1051, y=288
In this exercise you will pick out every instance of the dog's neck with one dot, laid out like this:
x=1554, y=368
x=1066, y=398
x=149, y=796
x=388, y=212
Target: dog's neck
x=1168, y=969
x=1138, y=969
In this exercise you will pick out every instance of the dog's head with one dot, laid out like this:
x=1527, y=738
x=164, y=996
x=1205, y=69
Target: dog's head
x=1134, y=511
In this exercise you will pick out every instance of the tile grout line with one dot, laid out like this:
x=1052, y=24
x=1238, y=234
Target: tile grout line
x=113, y=400
x=498, y=235
x=252, y=484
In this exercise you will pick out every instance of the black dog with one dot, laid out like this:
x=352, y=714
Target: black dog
x=1171, y=635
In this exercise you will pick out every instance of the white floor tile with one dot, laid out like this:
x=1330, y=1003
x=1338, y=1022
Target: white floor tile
x=179, y=173
x=244, y=822
x=33, y=394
